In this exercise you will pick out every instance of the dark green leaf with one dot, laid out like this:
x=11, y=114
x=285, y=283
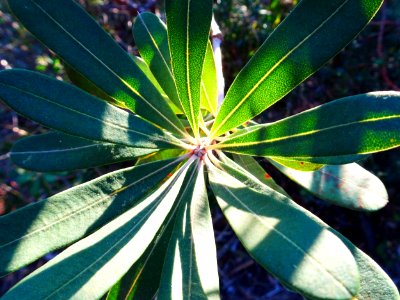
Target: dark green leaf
x=188, y=33
x=63, y=107
x=332, y=133
x=152, y=41
x=31, y=232
x=70, y=32
x=55, y=152
x=310, y=36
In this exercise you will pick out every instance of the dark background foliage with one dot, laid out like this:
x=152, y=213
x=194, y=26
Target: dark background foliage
x=370, y=63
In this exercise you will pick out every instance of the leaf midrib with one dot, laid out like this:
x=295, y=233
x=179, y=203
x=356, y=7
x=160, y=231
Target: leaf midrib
x=263, y=78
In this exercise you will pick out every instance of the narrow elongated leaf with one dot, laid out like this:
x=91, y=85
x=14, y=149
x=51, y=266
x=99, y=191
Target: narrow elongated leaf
x=85, y=84
x=300, y=165
x=348, y=185
x=31, y=232
x=56, y=151
x=188, y=33
x=190, y=269
x=87, y=269
x=248, y=177
x=63, y=107
x=329, y=134
x=160, y=155
x=310, y=36
x=209, y=83
x=143, y=279
x=69, y=31
x=151, y=38
x=287, y=240
x=249, y=164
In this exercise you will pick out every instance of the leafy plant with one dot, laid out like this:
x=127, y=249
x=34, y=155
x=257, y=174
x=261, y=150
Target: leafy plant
x=147, y=229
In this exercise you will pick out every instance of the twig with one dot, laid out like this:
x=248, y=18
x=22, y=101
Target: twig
x=216, y=38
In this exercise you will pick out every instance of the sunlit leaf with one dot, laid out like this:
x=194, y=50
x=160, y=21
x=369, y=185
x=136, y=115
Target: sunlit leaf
x=87, y=269
x=348, y=185
x=287, y=240
x=188, y=33
x=328, y=134
x=310, y=36
x=31, y=232
x=190, y=269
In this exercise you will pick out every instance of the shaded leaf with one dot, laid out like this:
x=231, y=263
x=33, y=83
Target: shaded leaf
x=63, y=107
x=56, y=151
x=151, y=38
x=95, y=55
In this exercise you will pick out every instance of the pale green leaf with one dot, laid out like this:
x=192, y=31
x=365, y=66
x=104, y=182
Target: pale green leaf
x=348, y=185
x=190, y=269
x=33, y=231
x=87, y=269
x=287, y=240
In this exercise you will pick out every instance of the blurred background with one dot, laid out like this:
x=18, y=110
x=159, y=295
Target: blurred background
x=369, y=63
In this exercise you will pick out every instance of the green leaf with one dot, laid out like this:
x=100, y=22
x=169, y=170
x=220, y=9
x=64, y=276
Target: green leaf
x=55, y=152
x=287, y=240
x=348, y=185
x=146, y=70
x=209, y=85
x=160, y=155
x=300, y=165
x=249, y=164
x=310, y=36
x=374, y=282
x=188, y=34
x=190, y=269
x=333, y=133
x=82, y=82
x=151, y=38
x=90, y=267
x=143, y=279
x=69, y=31
x=31, y=232
x=249, y=172
x=63, y=107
